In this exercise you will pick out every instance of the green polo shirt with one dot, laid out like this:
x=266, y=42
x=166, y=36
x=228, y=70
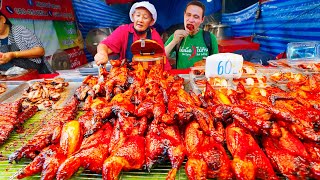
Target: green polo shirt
x=192, y=49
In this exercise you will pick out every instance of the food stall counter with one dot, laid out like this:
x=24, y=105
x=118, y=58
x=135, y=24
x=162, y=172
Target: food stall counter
x=231, y=45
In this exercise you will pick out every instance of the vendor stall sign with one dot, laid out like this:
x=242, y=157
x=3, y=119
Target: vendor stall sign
x=67, y=33
x=38, y=9
x=226, y=65
x=77, y=57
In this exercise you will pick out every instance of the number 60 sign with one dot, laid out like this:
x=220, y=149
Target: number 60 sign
x=227, y=65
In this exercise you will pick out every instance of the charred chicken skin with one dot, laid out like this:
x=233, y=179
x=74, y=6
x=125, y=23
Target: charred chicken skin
x=249, y=161
x=129, y=156
x=162, y=141
x=289, y=156
x=206, y=157
x=91, y=155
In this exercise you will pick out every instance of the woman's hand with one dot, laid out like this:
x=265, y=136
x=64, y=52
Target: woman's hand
x=6, y=57
x=101, y=58
x=102, y=54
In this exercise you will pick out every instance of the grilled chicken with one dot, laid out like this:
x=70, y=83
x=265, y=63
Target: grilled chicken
x=206, y=157
x=47, y=162
x=129, y=156
x=91, y=155
x=163, y=141
x=249, y=161
x=51, y=157
x=289, y=156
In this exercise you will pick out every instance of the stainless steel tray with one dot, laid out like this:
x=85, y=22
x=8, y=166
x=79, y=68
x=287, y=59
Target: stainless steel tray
x=17, y=92
x=10, y=86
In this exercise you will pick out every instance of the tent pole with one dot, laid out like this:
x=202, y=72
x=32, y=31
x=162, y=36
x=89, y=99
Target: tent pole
x=223, y=4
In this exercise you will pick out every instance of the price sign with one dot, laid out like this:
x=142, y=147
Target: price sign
x=226, y=65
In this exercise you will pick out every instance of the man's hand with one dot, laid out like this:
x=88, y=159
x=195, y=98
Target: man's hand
x=101, y=58
x=6, y=57
x=179, y=35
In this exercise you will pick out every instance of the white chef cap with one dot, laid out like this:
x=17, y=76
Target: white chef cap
x=146, y=5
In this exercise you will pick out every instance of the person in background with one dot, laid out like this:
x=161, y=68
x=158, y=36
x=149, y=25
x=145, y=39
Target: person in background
x=143, y=15
x=192, y=43
x=20, y=47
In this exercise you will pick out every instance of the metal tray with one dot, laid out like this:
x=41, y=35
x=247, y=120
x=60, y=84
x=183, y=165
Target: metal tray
x=10, y=86
x=17, y=92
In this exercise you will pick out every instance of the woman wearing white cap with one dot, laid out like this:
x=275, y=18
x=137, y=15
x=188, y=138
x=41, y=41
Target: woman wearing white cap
x=143, y=15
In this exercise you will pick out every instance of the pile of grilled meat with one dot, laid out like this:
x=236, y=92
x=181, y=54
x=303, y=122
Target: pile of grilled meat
x=137, y=119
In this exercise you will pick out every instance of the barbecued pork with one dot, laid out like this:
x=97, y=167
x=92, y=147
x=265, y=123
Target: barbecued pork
x=12, y=116
x=48, y=134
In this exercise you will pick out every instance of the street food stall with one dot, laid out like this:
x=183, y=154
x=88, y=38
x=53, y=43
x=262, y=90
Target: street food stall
x=224, y=118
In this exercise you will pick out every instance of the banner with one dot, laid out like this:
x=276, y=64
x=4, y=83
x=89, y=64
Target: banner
x=38, y=9
x=76, y=57
x=67, y=33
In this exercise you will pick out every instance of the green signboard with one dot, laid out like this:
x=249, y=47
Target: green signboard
x=67, y=33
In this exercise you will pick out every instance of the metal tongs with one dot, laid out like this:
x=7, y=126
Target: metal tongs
x=102, y=72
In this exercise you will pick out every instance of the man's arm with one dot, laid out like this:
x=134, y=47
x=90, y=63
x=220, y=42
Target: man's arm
x=177, y=37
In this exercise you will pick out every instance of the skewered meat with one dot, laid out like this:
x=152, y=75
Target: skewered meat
x=50, y=158
x=288, y=155
x=138, y=77
x=190, y=27
x=47, y=161
x=12, y=116
x=117, y=77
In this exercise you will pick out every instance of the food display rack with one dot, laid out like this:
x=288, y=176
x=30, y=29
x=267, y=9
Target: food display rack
x=33, y=125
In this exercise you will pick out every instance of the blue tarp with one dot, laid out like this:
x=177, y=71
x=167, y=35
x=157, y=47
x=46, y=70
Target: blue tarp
x=281, y=22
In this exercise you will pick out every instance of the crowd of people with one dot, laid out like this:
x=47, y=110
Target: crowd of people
x=20, y=47
x=187, y=45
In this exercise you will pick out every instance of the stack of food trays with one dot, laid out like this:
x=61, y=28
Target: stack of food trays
x=249, y=78
x=308, y=67
x=198, y=80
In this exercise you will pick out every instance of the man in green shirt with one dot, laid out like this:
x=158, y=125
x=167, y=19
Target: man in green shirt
x=190, y=40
